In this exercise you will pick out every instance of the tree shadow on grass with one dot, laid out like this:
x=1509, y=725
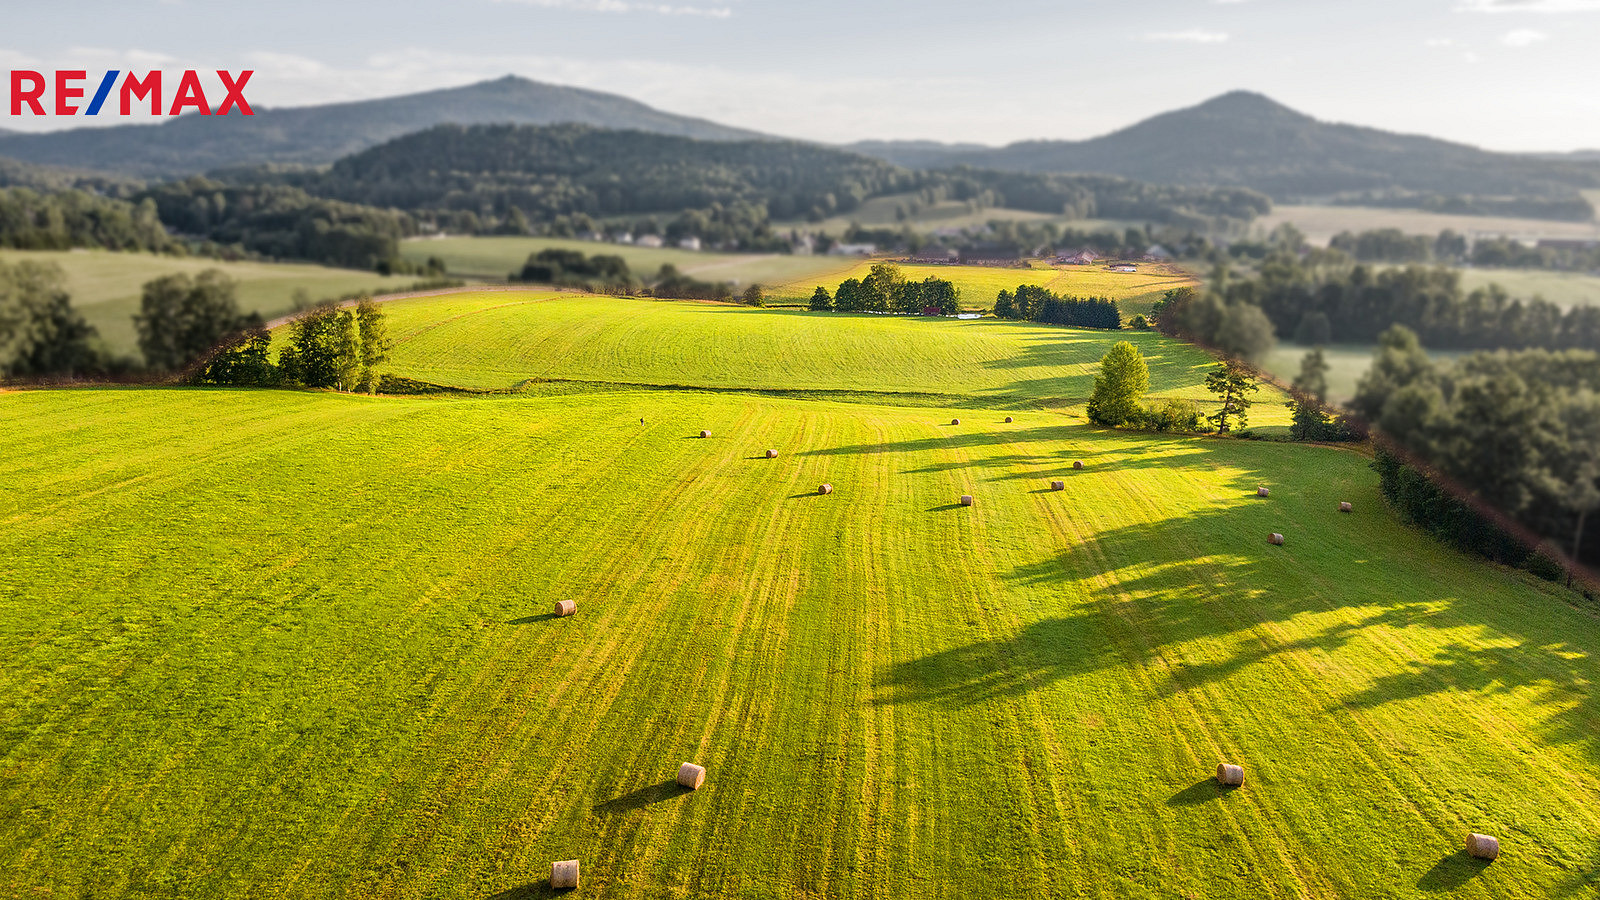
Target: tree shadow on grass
x=1203, y=791
x=534, y=891
x=945, y=508
x=639, y=799
x=1452, y=872
x=529, y=620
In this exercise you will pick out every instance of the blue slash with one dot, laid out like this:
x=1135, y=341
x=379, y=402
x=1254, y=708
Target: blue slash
x=100, y=95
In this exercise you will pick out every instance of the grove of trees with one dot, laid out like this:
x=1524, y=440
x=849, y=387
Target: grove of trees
x=1032, y=303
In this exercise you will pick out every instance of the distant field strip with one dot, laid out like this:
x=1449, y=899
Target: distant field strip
x=279, y=644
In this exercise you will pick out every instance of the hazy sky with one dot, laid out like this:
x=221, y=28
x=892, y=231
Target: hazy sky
x=1504, y=74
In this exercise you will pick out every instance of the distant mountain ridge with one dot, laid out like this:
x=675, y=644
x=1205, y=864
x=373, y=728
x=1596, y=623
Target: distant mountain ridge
x=1244, y=139
x=316, y=135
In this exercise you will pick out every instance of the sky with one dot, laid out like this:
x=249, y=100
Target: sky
x=1516, y=75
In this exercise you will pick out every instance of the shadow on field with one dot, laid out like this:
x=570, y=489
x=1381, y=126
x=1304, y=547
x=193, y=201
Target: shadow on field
x=639, y=799
x=1203, y=791
x=1452, y=872
x=529, y=620
x=530, y=892
x=945, y=508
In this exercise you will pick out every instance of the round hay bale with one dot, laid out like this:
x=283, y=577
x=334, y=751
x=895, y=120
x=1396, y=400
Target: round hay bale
x=1077, y=464
x=772, y=454
x=1275, y=538
x=1345, y=507
x=564, y=875
x=1058, y=485
x=966, y=500
x=566, y=607
x=1230, y=774
x=1483, y=846
x=691, y=776
x=825, y=489
x=955, y=421
x=1008, y=420
x=705, y=434
x=1262, y=492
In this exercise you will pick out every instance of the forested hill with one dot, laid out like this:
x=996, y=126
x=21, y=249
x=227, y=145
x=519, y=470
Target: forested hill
x=317, y=135
x=1248, y=140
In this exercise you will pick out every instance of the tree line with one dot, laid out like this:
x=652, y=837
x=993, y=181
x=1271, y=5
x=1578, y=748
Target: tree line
x=1391, y=245
x=1032, y=303
x=885, y=289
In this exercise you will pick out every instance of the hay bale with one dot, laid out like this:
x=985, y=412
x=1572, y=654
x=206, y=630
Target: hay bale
x=966, y=500
x=1261, y=492
x=1483, y=846
x=564, y=875
x=705, y=434
x=1345, y=507
x=772, y=454
x=1077, y=464
x=955, y=421
x=825, y=489
x=1230, y=774
x=1008, y=420
x=1058, y=485
x=1275, y=538
x=566, y=607
x=691, y=776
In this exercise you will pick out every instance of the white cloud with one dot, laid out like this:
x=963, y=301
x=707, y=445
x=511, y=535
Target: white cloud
x=624, y=6
x=1523, y=37
x=1528, y=6
x=1191, y=36
x=1439, y=42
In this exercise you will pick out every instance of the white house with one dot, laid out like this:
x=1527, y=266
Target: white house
x=648, y=240
x=690, y=243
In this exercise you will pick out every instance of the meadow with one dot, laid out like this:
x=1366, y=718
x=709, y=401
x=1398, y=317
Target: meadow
x=1321, y=223
x=493, y=258
x=299, y=644
x=1561, y=288
x=1135, y=292
x=106, y=286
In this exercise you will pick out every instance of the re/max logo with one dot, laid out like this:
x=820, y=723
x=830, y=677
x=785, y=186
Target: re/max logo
x=28, y=90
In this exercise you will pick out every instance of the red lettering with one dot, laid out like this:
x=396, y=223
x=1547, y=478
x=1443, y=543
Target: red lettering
x=30, y=96
x=189, y=94
x=65, y=93
x=150, y=87
x=235, y=92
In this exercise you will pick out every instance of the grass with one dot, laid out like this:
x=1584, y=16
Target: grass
x=106, y=286
x=880, y=212
x=1135, y=293
x=298, y=645
x=497, y=341
x=493, y=258
x=1320, y=223
x=1561, y=288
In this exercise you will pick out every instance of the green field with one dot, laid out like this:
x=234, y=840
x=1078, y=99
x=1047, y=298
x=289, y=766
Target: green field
x=1321, y=223
x=493, y=258
x=105, y=286
x=1562, y=288
x=286, y=644
x=1135, y=293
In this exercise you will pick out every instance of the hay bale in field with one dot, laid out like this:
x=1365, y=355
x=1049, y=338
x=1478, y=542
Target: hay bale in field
x=1230, y=774
x=825, y=489
x=566, y=607
x=705, y=434
x=691, y=776
x=955, y=421
x=966, y=500
x=1008, y=420
x=1482, y=846
x=1058, y=485
x=1275, y=538
x=1345, y=507
x=1077, y=464
x=564, y=875
x=1262, y=492
x=772, y=454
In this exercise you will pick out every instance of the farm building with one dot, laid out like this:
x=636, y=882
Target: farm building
x=852, y=249
x=1081, y=258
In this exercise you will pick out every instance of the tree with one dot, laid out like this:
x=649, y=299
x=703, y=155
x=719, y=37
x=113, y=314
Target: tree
x=246, y=359
x=752, y=296
x=942, y=295
x=1313, y=377
x=40, y=332
x=1244, y=332
x=1233, y=383
x=323, y=350
x=181, y=318
x=375, y=344
x=820, y=301
x=1004, y=306
x=1400, y=361
x=881, y=287
x=848, y=298
x=1120, y=385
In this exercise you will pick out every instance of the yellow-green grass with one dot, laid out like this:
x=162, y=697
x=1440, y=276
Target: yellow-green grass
x=1135, y=293
x=1321, y=223
x=106, y=286
x=1563, y=288
x=275, y=644
x=494, y=258
x=499, y=340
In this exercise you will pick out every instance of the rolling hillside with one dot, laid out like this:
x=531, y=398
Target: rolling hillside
x=340, y=676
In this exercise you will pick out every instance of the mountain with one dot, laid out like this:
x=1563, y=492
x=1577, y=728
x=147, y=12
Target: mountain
x=315, y=135
x=1244, y=139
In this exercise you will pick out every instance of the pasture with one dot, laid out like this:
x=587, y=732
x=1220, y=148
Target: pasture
x=1321, y=223
x=1135, y=293
x=300, y=644
x=1561, y=288
x=105, y=286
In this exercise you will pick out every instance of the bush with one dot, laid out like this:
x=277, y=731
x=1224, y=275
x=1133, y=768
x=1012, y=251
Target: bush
x=1174, y=415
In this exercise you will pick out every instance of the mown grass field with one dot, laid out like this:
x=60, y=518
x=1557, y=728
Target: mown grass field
x=499, y=340
x=106, y=286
